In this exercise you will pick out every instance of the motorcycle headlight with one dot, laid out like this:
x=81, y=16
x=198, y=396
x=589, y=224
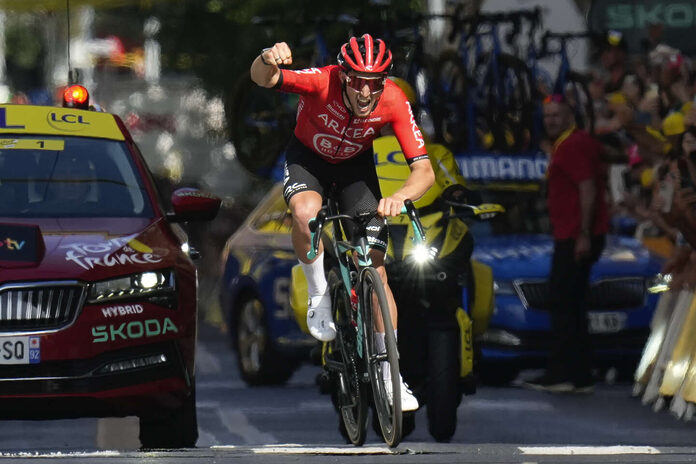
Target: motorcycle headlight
x=503, y=287
x=422, y=253
x=659, y=283
x=151, y=285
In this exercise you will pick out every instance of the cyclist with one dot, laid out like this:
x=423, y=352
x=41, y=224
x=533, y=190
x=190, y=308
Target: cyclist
x=342, y=108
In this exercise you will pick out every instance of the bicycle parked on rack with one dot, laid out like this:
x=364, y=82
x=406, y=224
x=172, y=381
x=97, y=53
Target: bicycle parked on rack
x=487, y=95
x=359, y=304
x=570, y=83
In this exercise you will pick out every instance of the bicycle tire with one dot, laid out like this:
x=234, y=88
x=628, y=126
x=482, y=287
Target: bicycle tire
x=390, y=415
x=352, y=398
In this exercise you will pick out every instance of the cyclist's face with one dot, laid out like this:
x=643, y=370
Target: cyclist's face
x=557, y=118
x=363, y=92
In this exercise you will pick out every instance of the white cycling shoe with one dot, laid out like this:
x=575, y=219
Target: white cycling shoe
x=408, y=401
x=319, y=319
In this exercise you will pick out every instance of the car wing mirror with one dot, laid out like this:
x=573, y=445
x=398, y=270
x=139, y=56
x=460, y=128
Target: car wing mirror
x=191, y=204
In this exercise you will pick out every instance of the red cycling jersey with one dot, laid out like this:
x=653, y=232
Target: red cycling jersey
x=325, y=125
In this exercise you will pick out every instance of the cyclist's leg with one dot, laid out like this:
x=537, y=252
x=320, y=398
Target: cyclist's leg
x=303, y=193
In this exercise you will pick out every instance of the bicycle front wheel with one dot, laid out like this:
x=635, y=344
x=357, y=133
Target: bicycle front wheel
x=375, y=305
x=352, y=400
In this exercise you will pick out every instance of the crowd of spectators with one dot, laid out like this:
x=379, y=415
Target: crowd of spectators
x=646, y=119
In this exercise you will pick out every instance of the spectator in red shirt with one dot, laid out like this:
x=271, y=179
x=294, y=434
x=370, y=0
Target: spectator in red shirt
x=579, y=218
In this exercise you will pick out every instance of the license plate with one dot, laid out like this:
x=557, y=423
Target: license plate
x=606, y=322
x=20, y=350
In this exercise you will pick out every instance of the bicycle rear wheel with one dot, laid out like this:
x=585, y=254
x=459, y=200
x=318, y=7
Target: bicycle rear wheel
x=374, y=299
x=352, y=398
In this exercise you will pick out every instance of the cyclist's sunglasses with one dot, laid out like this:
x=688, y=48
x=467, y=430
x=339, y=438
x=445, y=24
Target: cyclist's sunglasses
x=375, y=84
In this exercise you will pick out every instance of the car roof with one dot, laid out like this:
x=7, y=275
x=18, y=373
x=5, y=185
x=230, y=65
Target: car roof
x=52, y=120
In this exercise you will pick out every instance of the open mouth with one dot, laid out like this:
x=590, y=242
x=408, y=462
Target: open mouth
x=363, y=103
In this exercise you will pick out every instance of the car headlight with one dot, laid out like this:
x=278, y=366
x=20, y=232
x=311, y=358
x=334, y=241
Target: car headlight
x=503, y=287
x=659, y=283
x=157, y=286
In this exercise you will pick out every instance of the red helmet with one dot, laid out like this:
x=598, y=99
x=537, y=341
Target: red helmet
x=366, y=55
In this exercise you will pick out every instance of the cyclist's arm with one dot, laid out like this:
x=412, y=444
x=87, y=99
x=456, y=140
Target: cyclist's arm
x=417, y=183
x=264, y=70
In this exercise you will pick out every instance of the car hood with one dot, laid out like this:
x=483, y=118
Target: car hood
x=85, y=249
x=529, y=256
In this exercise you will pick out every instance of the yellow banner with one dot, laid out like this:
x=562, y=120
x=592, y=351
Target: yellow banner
x=32, y=144
x=48, y=120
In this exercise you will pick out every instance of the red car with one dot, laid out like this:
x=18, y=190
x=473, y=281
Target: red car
x=97, y=287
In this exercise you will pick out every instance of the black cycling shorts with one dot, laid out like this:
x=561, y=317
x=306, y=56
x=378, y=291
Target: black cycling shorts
x=355, y=180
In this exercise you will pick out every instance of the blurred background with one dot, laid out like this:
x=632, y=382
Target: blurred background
x=176, y=72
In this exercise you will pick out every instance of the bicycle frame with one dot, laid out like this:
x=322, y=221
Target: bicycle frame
x=361, y=249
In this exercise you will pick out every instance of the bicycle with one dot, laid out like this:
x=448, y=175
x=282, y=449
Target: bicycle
x=357, y=297
x=572, y=84
x=496, y=97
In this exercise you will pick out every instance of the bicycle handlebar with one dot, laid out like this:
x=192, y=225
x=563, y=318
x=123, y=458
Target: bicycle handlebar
x=562, y=37
x=482, y=212
x=316, y=224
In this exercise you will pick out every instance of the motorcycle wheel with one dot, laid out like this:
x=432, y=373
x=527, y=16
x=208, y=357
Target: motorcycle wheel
x=444, y=394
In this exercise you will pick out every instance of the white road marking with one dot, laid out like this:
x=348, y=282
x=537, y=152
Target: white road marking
x=227, y=384
x=237, y=423
x=206, y=362
x=60, y=455
x=508, y=405
x=206, y=439
x=586, y=450
x=305, y=406
x=302, y=449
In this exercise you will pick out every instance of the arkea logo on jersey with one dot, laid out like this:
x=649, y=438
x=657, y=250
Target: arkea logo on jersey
x=414, y=127
x=351, y=132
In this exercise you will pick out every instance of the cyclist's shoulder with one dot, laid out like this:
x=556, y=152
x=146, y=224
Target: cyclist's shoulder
x=394, y=102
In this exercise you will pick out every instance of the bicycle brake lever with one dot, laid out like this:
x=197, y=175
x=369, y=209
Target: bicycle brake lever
x=412, y=212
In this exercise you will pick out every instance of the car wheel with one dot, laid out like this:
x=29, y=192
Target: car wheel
x=258, y=361
x=443, y=391
x=171, y=428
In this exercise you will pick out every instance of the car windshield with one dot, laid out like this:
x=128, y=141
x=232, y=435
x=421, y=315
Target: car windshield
x=43, y=176
x=525, y=212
